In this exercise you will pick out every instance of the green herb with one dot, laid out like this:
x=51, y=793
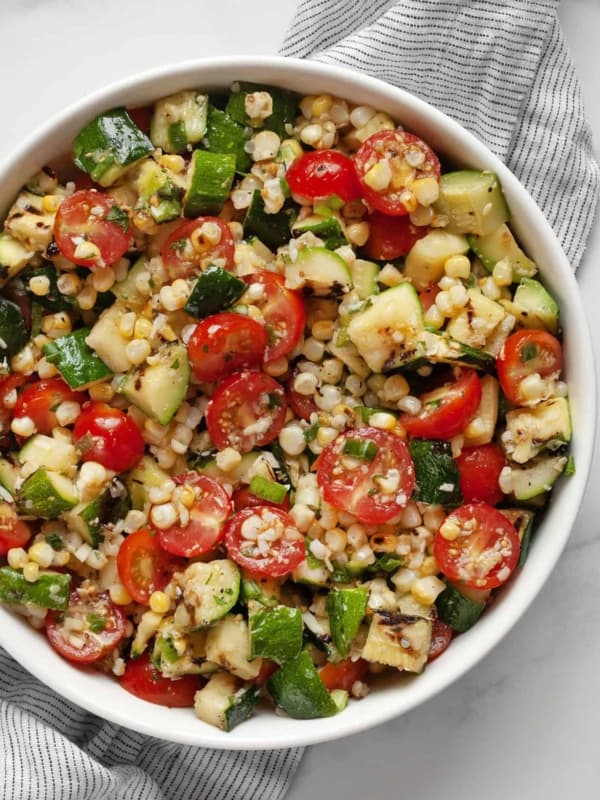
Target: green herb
x=361, y=448
x=119, y=216
x=175, y=364
x=437, y=476
x=310, y=434
x=529, y=351
x=386, y=562
x=54, y=540
x=570, y=466
x=366, y=412
x=96, y=623
x=274, y=400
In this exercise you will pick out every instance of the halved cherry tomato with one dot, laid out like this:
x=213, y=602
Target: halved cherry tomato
x=353, y=484
x=108, y=436
x=143, y=566
x=391, y=238
x=283, y=313
x=103, y=626
x=321, y=173
x=39, y=402
x=143, y=680
x=85, y=216
x=225, y=343
x=13, y=531
x=302, y=405
x=484, y=553
x=441, y=636
x=400, y=149
x=190, y=249
x=246, y=411
x=244, y=498
x=266, y=670
x=250, y=529
x=142, y=116
x=344, y=674
x=446, y=411
x=207, y=518
x=8, y=383
x=522, y=354
x=480, y=469
x=427, y=296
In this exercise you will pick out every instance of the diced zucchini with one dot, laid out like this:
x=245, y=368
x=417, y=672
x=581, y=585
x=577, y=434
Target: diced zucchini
x=311, y=572
x=348, y=354
x=265, y=591
x=159, y=389
x=178, y=121
x=478, y=321
x=215, y=290
x=50, y=590
x=424, y=263
x=210, y=590
x=8, y=476
x=222, y=704
x=274, y=230
x=436, y=473
x=298, y=690
x=53, y=300
x=546, y=426
x=46, y=451
x=43, y=182
x=538, y=477
x=89, y=518
x=158, y=194
x=13, y=331
x=210, y=177
x=75, y=360
x=46, y=494
x=364, y=278
x=284, y=108
x=534, y=306
x=388, y=330
x=482, y=427
x=275, y=633
x=522, y=519
x=14, y=256
x=224, y=135
x=128, y=296
x=442, y=349
x=457, y=610
x=346, y=610
x=105, y=339
x=473, y=202
x=29, y=223
x=398, y=640
x=109, y=145
x=228, y=644
x=328, y=229
x=501, y=245
x=144, y=476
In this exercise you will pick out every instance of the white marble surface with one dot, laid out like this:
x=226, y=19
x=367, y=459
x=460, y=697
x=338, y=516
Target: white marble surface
x=523, y=723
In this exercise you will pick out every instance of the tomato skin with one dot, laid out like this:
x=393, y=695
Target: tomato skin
x=7, y=384
x=144, y=681
x=115, y=440
x=354, y=489
x=83, y=216
x=441, y=636
x=523, y=353
x=39, y=401
x=13, y=531
x=240, y=401
x=244, y=498
x=285, y=553
x=391, y=238
x=321, y=173
x=141, y=116
x=445, y=412
x=95, y=645
x=392, y=145
x=143, y=566
x=182, y=259
x=283, y=313
x=427, y=296
x=225, y=343
x=207, y=518
x=480, y=469
x=468, y=557
x=344, y=674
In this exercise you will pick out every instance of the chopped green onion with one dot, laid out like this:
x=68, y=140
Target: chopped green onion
x=268, y=490
x=361, y=448
x=310, y=434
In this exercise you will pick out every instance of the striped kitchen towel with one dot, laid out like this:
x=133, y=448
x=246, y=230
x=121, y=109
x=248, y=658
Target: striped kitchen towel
x=499, y=67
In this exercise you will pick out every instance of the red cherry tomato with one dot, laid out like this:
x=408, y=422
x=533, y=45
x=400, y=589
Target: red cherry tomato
x=246, y=411
x=446, y=411
x=441, y=636
x=344, y=674
x=190, y=249
x=302, y=405
x=108, y=436
x=266, y=670
x=321, y=173
x=244, y=498
x=207, y=518
x=141, y=116
x=391, y=238
x=352, y=483
x=143, y=680
x=523, y=353
x=284, y=544
x=103, y=627
x=484, y=553
x=398, y=148
x=480, y=469
x=13, y=531
x=225, y=343
x=427, y=296
x=143, y=566
x=85, y=216
x=283, y=313
x=39, y=402
x=7, y=385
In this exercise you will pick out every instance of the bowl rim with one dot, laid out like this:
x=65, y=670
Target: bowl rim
x=503, y=615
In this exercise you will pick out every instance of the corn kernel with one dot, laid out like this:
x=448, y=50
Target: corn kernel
x=457, y=266
x=379, y=176
x=426, y=590
x=119, y=595
x=429, y=567
x=159, y=602
x=31, y=572
x=17, y=557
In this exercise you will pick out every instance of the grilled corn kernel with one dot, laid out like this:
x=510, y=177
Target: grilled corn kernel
x=159, y=602
x=457, y=266
x=17, y=557
x=31, y=572
x=119, y=595
x=379, y=176
x=426, y=590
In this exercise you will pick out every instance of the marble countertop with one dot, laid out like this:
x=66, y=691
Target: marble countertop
x=523, y=722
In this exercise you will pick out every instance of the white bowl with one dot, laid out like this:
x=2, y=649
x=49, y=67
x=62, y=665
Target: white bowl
x=102, y=695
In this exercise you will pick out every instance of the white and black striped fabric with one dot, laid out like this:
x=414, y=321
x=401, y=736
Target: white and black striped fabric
x=499, y=67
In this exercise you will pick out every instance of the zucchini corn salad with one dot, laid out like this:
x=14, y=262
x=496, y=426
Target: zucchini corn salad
x=281, y=401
